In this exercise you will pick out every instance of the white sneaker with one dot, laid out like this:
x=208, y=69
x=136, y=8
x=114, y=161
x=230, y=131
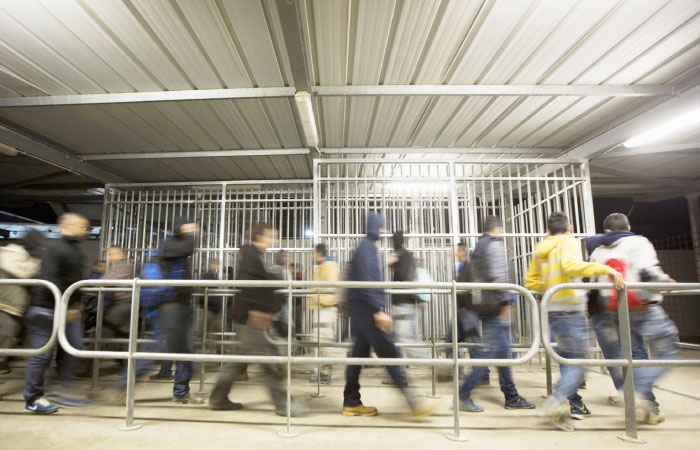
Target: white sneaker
x=617, y=398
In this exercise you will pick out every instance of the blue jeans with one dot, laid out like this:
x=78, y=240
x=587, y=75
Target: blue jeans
x=497, y=338
x=40, y=323
x=367, y=336
x=607, y=332
x=570, y=330
x=175, y=324
x=652, y=323
x=468, y=331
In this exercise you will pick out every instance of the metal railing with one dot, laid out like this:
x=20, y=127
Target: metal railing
x=56, y=319
x=627, y=362
x=132, y=354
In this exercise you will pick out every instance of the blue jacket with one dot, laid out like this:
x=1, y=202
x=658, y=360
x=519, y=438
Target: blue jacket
x=365, y=267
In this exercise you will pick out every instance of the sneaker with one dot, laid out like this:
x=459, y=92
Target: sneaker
x=297, y=409
x=557, y=417
x=654, y=417
x=189, y=398
x=425, y=409
x=361, y=410
x=617, y=398
x=325, y=379
x=468, y=405
x=578, y=412
x=519, y=403
x=160, y=376
x=41, y=406
x=228, y=405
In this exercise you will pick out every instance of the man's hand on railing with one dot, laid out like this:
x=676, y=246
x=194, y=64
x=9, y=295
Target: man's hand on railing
x=617, y=279
x=383, y=321
x=259, y=319
x=73, y=315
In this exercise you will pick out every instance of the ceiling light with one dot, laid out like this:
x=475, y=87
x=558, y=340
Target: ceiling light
x=669, y=128
x=306, y=114
x=7, y=150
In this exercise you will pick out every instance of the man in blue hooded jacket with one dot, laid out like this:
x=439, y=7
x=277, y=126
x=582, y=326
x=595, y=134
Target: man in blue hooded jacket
x=371, y=326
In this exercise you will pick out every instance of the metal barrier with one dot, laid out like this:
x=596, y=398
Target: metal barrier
x=56, y=318
x=131, y=355
x=627, y=363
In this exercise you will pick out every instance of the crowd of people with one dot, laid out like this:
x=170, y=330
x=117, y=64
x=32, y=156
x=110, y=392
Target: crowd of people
x=483, y=317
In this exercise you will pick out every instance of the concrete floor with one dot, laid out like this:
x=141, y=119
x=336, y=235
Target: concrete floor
x=171, y=426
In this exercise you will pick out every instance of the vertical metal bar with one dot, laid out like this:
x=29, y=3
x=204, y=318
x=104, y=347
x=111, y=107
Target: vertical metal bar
x=289, y=432
x=432, y=340
x=203, y=365
x=455, y=368
x=627, y=371
x=98, y=336
x=318, y=347
x=131, y=363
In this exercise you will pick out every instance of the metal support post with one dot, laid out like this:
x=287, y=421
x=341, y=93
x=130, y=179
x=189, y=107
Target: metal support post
x=289, y=433
x=129, y=425
x=98, y=336
x=433, y=393
x=203, y=366
x=627, y=371
x=455, y=436
x=318, y=394
x=548, y=368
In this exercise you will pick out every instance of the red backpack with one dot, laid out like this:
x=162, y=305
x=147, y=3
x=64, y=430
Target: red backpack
x=635, y=297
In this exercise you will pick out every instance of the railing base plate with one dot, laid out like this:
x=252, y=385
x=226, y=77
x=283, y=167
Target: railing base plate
x=432, y=396
x=133, y=427
x=315, y=395
x=454, y=437
x=288, y=434
x=630, y=439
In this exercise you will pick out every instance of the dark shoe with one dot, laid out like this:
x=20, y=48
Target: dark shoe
x=578, y=412
x=160, y=376
x=519, y=403
x=189, y=398
x=227, y=406
x=469, y=406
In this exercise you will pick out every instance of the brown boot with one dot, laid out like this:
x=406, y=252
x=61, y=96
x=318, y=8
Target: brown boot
x=361, y=410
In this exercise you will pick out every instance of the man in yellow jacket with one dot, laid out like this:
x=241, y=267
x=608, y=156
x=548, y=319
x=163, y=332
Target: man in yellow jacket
x=327, y=305
x=557, y=260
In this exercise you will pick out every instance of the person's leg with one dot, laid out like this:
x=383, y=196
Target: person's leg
x=230, y=371
x=570, y=331
x=401, y=322
x=10, y=327
x=472, y=325
x=606, y=331
x=329, y=323
x=177, y=326
x=66, y=364
x=361, y=348
x=497, y=334
x=40, y=324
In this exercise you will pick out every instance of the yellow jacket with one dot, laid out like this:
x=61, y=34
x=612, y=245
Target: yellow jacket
x=326, y=271
x=557, y=260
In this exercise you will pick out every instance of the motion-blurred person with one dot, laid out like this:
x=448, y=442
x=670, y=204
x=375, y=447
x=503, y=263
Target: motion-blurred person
x=255, y=311
x=90, y=299
x=557, y=260
x=371, y=327
x=468, y=325
x=636, y=258
x=18, y=261
x=325, y=327
x=174, y=315
x=61, y=264
x=214, y=303
x=118, y=315
x=489, y=265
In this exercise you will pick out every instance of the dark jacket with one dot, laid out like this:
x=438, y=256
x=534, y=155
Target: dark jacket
x=365, y=267
x=61, y=264
x=178, y=248
x=404, y=269
x=214, y=301
x=251, y=267
x=490, y=266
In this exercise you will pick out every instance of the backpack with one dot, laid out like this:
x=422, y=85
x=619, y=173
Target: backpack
x=635, y=297
x=476, y=301
x=152, y=296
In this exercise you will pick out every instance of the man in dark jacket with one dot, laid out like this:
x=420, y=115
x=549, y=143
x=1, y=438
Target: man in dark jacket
x=371, y=326
x=489, y=265
x=254, y=314
x=61, y=264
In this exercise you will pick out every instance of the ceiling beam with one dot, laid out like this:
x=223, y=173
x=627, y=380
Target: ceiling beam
x=146, y=97
x=51, y=155
x=620, y=152
x=443, y=150
x=197, y=154
x=30, y=181
x=502, y=89
x=683, y=185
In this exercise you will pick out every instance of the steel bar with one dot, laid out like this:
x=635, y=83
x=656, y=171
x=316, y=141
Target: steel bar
x=442, y=150
x=503, y=89
x=627, y=371
x=196, y=154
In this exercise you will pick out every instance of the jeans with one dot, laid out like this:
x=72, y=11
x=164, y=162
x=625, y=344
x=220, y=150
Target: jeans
x=467, y=331
x=325, y=330
x=367, y=336
x=175, y=325
x=252, y=342
x=607, y=332
x=497, y=338
x=40, y=323
x=570, y=330
x=652, y=323
x=404, y=319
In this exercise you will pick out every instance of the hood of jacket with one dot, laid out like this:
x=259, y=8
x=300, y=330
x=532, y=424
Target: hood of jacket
x=178, y=223
x=593, y=242
x=612, y=237
x=33, y=242
x=397, y=239
x=544, y=248
x=375, y=222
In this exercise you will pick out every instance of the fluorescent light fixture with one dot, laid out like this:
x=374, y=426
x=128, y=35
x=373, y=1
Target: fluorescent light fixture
x=308, y=233
x=669, y=128
x=306, y=114
x=7, y=150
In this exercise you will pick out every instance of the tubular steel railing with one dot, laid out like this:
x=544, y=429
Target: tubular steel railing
x=54, y=330
x=627, y=363
x=132, y=354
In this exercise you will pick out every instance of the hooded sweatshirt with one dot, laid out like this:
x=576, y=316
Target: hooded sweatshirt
x=365, y=267
x=176, y=248
x=639, y=257
x=558, y=260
